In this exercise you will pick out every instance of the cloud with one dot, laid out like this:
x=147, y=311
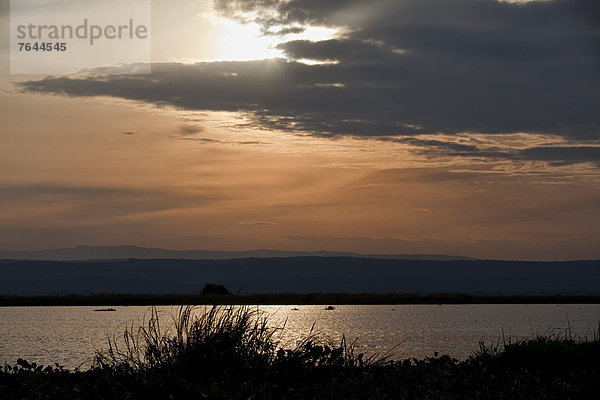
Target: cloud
x=256, y=223
x=345, y=50
x=567, y=155
x=92, y=203
x=190, y=129
x=249, y=142
x=285, y=15
x=405, y=70
x=561, y=154
x=15, y=192
x=201, y=140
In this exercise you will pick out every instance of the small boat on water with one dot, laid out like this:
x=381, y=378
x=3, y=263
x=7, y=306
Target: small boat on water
x=105, y=309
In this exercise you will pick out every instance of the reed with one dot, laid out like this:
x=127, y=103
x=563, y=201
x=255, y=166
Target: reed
x=222, y=337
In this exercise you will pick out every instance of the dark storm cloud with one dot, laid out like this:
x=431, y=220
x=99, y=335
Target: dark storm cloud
x=563, y=155
x=272, y=13
x=404, y=69
x=345, y=50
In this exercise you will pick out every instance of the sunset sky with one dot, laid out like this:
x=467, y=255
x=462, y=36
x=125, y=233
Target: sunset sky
x=462, y=127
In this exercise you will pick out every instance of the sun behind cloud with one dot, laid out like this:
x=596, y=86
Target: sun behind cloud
x=246, y=41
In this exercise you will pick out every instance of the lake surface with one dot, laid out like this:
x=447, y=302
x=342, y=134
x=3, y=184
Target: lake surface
x=70, y=335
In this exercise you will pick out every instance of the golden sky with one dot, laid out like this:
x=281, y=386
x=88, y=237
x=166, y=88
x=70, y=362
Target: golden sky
x=295, y=154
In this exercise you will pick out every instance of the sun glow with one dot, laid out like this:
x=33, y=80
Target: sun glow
x=245, y=42
x=238, y=42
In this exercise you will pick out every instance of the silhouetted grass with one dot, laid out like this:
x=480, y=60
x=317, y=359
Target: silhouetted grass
x=234, y=353
x=219, y=337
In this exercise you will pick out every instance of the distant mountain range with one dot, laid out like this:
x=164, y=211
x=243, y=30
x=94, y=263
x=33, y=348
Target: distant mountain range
x=300, y=275
x=125, y=252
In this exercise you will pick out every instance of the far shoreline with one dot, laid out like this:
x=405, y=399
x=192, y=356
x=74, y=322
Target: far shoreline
x=287, y=299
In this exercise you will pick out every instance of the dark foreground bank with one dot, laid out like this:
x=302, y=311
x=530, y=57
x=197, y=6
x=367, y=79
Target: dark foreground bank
x=232, y=354
x=285, y=299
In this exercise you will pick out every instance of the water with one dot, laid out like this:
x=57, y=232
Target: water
x=70, y=335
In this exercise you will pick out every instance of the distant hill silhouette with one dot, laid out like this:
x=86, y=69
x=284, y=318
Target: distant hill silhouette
x=125, y=252
x=301, y=275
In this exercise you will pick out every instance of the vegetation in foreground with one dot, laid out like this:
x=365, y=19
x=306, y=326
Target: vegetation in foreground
x=232, y=353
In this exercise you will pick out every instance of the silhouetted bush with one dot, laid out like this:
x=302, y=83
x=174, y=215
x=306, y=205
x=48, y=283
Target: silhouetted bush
x=211, y=288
